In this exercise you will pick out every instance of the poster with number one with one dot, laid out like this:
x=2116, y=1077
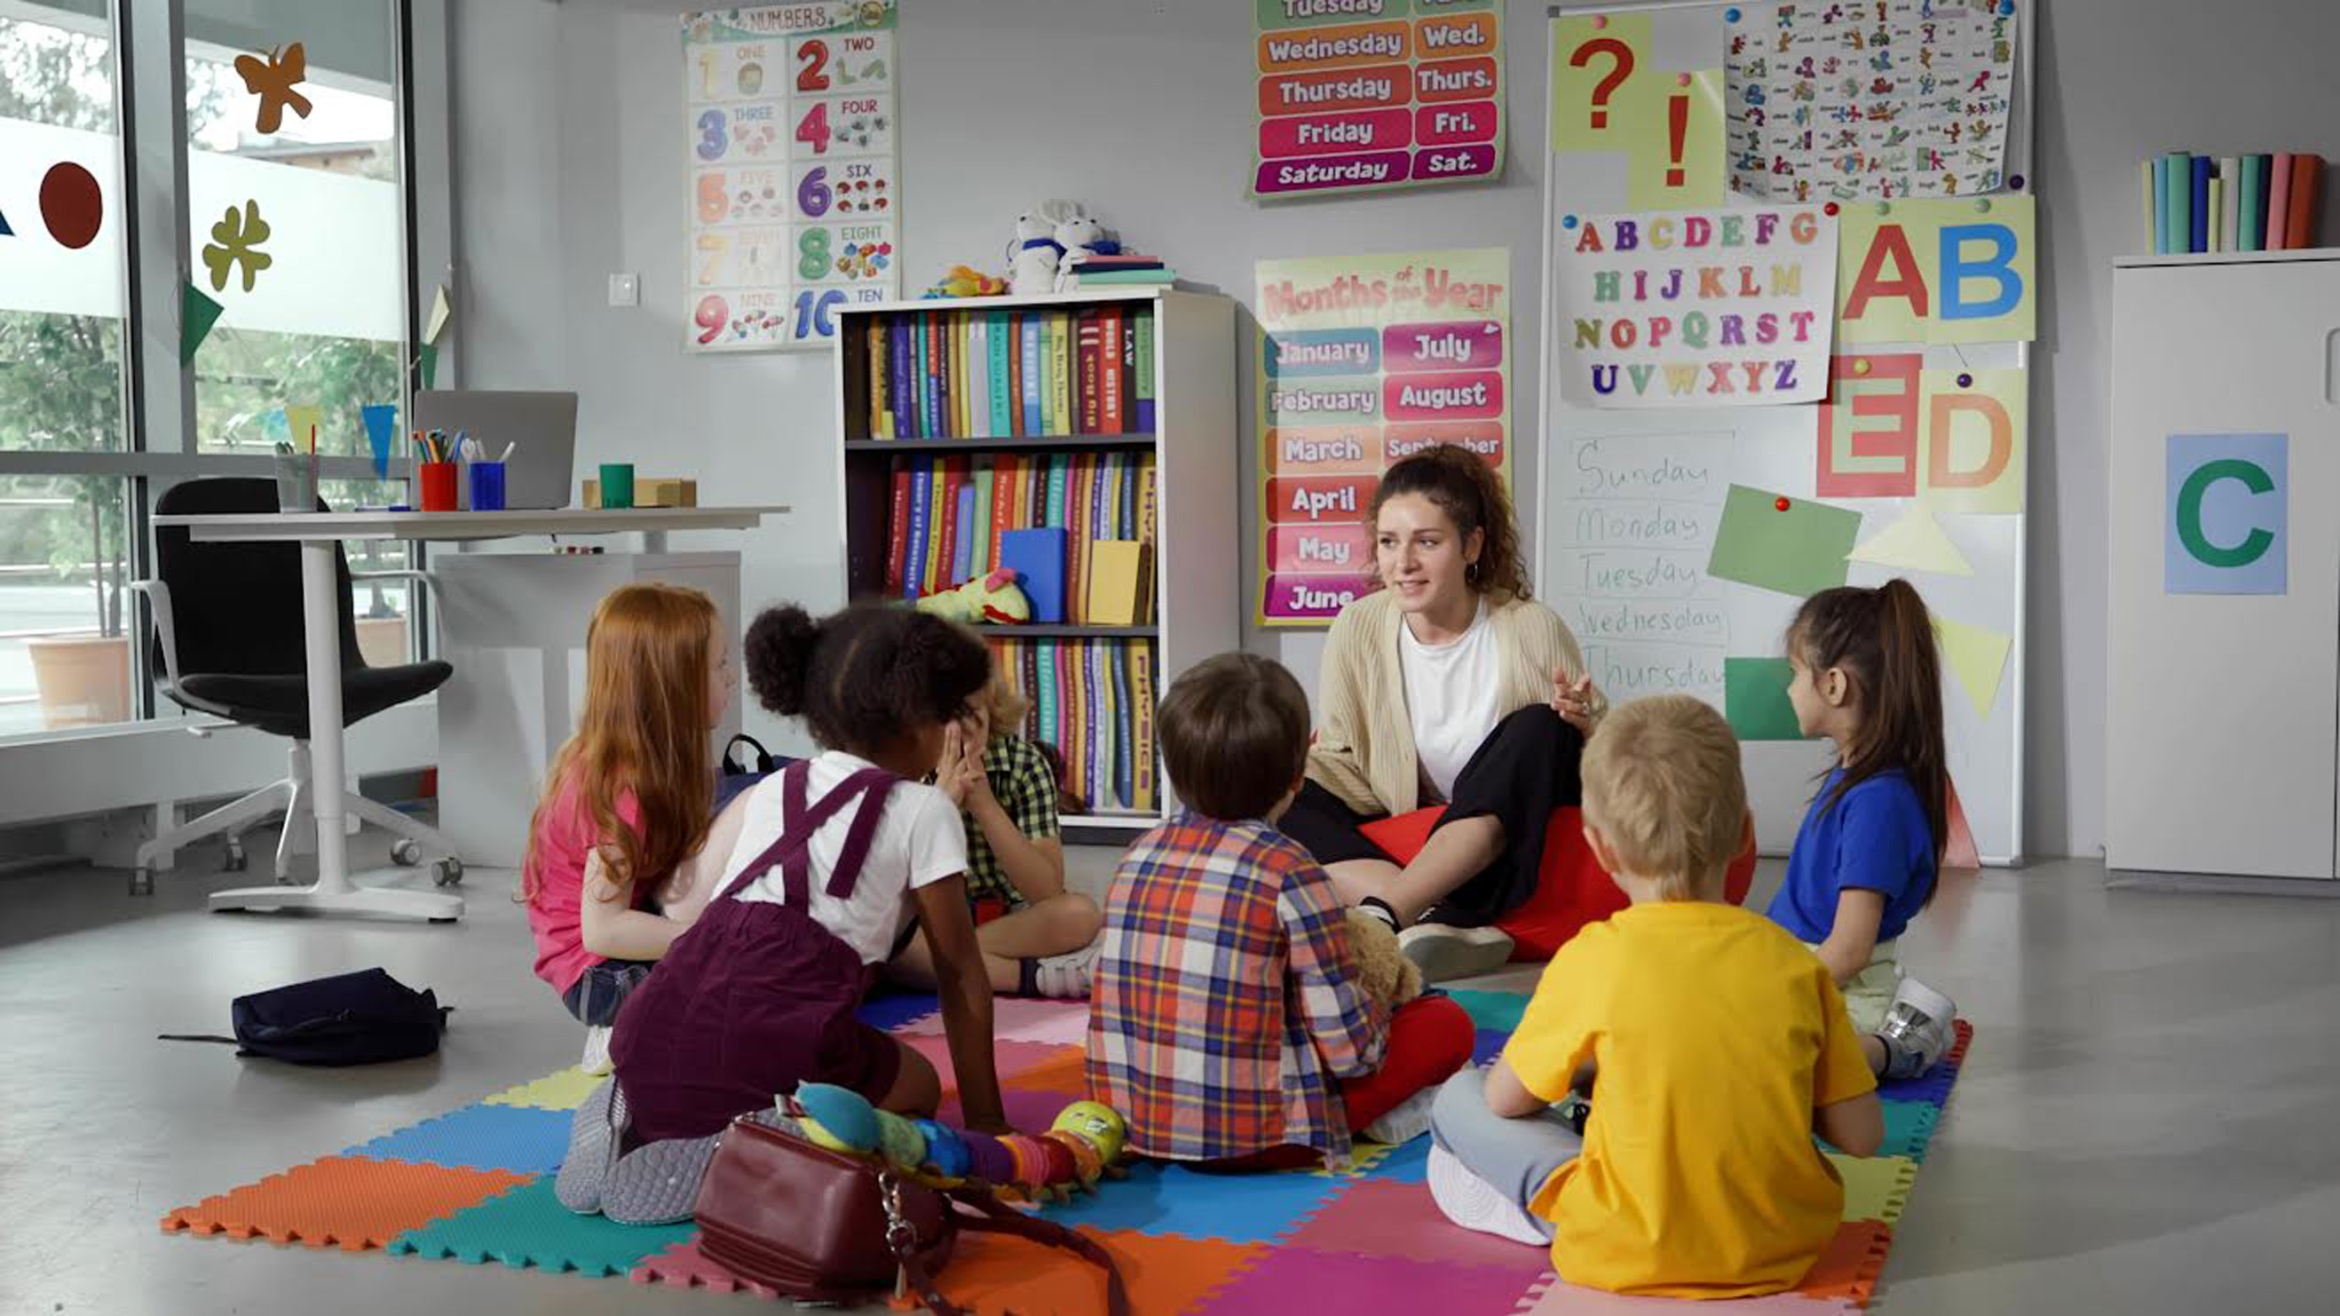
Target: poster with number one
x=796, y=182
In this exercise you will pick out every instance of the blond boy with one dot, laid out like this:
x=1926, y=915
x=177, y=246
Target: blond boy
x=1720, y=1045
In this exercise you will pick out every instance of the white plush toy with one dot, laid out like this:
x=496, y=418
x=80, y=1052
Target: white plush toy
x=1078, y=235
x=1033, y=257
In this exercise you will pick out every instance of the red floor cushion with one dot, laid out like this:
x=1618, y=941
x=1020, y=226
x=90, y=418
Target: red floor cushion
x=1571, y=890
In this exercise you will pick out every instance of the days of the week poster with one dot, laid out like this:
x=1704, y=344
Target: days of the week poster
x=1365, y=95
x=1365, y=360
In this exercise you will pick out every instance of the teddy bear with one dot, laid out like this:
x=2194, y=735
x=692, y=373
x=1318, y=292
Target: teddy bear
x=1033, y=256
x=1080, y=236
x=1382, y=969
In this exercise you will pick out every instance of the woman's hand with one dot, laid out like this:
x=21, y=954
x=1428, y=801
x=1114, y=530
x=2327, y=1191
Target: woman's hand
x=1575, y=700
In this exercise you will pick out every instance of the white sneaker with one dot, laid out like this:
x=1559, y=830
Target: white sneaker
x=1404, y=1122
x=1918, y=1029
x=1444, y=952
x=596, y=1059
x=1066, y=977
x=1472, y=1202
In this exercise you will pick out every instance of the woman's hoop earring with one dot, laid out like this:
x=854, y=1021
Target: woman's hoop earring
x=1470, y=573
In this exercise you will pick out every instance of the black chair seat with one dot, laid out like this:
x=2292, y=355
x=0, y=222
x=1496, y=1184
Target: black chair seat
x=279, y=705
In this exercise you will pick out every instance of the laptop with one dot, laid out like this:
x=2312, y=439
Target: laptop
x=543, y=426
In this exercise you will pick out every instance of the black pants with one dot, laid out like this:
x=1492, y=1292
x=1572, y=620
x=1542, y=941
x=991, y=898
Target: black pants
x=1525, y=768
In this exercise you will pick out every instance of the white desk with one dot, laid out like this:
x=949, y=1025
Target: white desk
x=318, y=534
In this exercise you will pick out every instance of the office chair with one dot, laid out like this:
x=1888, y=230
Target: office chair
x=228, y=637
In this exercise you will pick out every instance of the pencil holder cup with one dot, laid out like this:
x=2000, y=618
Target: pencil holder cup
x=487, y=486
x=617, y=484
x=438, y=485
x=296, y=483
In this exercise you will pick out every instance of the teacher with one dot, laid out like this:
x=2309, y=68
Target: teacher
x=1446, y=685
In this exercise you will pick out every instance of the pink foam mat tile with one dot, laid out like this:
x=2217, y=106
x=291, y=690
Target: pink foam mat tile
x=1011, y=1060
x=1299, y=1280
x=1022, y=1019
x=1559, y=1298
x=683, y=1266
x=1381, y=1218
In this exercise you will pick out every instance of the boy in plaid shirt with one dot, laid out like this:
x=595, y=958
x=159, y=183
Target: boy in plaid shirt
x=1038, y=938
x=1228, y=1024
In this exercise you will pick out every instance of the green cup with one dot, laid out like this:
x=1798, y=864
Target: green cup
x=617, y=485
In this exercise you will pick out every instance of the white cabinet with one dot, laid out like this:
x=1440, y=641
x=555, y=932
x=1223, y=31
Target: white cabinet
x=2222, y=706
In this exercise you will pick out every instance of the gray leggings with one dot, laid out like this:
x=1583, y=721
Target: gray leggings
x=1516, y=1156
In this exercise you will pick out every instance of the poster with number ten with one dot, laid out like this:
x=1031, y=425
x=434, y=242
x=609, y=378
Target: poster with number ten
x=795, y=175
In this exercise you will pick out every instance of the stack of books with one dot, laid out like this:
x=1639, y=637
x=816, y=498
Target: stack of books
x=1094, y=701
x=2200, y=203
x=1120, y=270
x=1011, y=374
x=955, y=518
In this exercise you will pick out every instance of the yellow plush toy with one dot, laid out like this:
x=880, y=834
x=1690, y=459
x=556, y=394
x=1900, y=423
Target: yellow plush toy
x=990, y=599
x=1382, y=969
x=967, y=281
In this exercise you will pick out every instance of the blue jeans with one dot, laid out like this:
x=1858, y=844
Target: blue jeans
x=1515, y=1157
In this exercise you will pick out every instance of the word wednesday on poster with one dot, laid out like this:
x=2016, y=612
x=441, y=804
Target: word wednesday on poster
x=1702, y=308
x=1366, y=95
x=795, y=175
x=1365, y=361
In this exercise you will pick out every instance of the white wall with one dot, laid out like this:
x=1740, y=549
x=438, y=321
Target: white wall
x=569, y=167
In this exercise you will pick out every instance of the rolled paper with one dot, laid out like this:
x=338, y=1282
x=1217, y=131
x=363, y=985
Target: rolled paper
x=946, y=1151
x=901, y=1141
x=988, y=1160
x=838, y=1118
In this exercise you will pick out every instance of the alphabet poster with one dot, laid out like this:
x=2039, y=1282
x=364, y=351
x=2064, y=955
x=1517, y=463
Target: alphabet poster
x=1939, y=271
x=1714, y=308
x=1365, y=360
x=795, y=175
x=1892, y=428
x=1365, y=95
x=1845, y=100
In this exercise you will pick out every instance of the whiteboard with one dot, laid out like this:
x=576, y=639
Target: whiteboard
x=1629, y=501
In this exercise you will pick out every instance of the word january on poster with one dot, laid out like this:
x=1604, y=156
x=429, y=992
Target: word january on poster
x=1702, y=308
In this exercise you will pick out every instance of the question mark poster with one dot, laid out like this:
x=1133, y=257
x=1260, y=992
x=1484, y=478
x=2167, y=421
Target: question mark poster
x=1614, y=98
x=795, y=171
x=1372, y=95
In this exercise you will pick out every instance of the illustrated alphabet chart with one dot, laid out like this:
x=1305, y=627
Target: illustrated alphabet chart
x=795, y=172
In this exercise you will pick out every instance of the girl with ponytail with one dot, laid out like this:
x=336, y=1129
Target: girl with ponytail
x=1868, y=677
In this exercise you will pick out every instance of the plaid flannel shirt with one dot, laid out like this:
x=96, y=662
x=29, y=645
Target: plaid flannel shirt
x=1025, y=787
x=1226, y=1004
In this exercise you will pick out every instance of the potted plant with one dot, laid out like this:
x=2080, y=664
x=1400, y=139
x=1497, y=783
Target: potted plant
x=84, y=680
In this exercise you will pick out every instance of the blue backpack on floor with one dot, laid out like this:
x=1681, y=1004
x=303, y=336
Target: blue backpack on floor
x=349, y=1019
x=738, y=773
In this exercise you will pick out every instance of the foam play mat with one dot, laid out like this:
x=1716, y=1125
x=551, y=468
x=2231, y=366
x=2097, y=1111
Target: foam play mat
x=475, y=1185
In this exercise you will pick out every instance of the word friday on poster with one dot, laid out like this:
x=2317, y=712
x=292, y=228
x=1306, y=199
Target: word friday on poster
x=1721, y=308
x=795, y=179
x=1360, y=95
x=1364, y=361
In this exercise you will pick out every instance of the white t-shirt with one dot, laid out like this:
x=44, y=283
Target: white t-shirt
x=919, y=841
x=1452, y=696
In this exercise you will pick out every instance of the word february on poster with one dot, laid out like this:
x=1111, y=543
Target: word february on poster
x=1361, y=95
x=1365, y=361
x=1695, y=309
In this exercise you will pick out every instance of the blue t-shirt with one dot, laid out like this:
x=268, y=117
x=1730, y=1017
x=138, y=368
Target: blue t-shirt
x=1874, y=839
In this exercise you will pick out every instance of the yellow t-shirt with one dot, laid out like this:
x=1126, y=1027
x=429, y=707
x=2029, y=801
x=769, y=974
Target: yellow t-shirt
x=1716, y=1035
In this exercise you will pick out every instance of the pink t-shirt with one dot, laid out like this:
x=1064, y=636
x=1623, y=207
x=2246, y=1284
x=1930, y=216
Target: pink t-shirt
x=565, y=838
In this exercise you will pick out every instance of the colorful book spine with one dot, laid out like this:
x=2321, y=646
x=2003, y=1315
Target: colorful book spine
x=1145, y=517
x=1081, y=531
x=1044, y=696
x=980, y=557
x=1015, y=390
x=900, y=360
x=942, y=500
x=1035, y=368
x=1059, y=472
x=1002, y=394
x=897, y=527
x=1068, y=717
x=1125, y=525
x=1058, y=395
x=2152, y=215
x=2251, y=214
x=1124, y=770
x=930, y=385
x=1004, y=478
x=975, y=370
x=1141, y=680
x=2161, y=205
x=2177, y=186
x=2198, y=203
x=1142, y=371
x=1100, y=725
x=955, y=351
x=921, y=513
x=2307, y=184
x=1112, y=374
x=1089, y=358
x=2229, y=202
x=947, y=523
x=881, y=411
x=2217, y=234
x=962, y=537
x=2278, y=201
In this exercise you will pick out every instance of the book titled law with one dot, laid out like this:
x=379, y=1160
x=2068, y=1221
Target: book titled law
x=1142, y=372
x=1037, y=558
x=897, y=527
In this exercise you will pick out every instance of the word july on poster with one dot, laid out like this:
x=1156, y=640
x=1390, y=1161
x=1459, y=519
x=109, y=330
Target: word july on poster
x=1695, y=309
x=795, y=175
x=1362, y=95
x=1365, y=361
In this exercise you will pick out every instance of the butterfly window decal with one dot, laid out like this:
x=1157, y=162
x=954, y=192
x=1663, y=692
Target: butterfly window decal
x=272, y=78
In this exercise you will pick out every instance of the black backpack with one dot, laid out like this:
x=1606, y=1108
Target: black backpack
x=348, y=1019
x=737, y=773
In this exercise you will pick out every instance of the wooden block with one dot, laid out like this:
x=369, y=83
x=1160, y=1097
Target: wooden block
x=666, y=492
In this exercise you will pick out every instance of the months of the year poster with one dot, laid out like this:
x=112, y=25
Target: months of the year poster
x=796, y=182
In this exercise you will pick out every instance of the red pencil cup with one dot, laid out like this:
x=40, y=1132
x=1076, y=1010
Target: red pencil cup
x=438, y=485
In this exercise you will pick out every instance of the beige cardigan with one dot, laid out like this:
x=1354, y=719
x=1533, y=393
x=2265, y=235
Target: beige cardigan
x=1364, y=748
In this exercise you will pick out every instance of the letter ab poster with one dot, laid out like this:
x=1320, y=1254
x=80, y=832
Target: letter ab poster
x=1363, y=95
x=1365, y=360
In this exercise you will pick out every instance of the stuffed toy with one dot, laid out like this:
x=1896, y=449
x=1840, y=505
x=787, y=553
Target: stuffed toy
x=1083, y=1146
x=1080, y=237
x=1382, y=969
x=1033, y=256
x=993, y=598
x=966, y=281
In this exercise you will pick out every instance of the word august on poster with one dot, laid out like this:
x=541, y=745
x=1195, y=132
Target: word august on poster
x=1696, y=308
x=1365, y=361
x=1359, y=95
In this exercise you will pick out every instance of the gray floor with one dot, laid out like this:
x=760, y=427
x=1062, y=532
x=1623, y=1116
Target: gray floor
x=2145, y=1125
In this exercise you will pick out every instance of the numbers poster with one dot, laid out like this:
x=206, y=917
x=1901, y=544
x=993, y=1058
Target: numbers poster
x=1362, y=95
x=796, y=182
x=1364, y=361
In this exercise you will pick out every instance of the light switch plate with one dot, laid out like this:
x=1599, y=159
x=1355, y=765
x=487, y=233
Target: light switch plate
x=625, y=290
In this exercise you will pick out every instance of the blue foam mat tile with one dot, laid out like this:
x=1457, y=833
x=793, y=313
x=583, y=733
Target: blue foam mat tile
x=1931, y=1088
x=1487, y=1044
x=1234, y=1208
x=528, y=1227
x=521, y=1139
x=1492, y=1012
x=889, y=1012
x=1408, y=1162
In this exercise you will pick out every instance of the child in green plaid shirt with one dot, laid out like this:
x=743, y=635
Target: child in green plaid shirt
x=1038, y=938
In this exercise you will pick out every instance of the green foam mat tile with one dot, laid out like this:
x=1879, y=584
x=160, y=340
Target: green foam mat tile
x=529, y=1227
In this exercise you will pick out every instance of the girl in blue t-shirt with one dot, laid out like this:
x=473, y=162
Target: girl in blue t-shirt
x=1868, y=679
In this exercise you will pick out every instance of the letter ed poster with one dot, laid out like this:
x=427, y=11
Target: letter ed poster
x=1365, y=360
x=1366, y=95
x=795, y=171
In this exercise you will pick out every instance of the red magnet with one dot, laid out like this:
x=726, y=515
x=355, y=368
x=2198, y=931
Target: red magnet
x=1828, y=209
x=1781, y=504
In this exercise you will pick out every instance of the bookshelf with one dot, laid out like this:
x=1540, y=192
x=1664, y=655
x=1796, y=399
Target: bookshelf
x=1192, y=445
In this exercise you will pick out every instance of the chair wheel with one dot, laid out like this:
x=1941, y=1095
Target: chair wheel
x=406, y=854
x=142, y=881
x=447, y=872
x=236, y=861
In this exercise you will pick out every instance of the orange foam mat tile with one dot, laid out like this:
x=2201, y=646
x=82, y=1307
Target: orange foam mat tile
x=993, y=1275
x=684, y=1266
x=341, y=1201
x=1848, y=1271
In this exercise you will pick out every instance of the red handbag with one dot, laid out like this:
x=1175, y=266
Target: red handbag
x=820, y=1226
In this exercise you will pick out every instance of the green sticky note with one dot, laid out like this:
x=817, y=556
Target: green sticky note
x=197, y=313
x=1755, y=698
x=430, y=371
x=1793, y=545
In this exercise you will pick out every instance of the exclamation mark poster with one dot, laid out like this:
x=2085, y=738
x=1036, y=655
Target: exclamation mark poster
x=1613, y=96
x=1364, y=361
